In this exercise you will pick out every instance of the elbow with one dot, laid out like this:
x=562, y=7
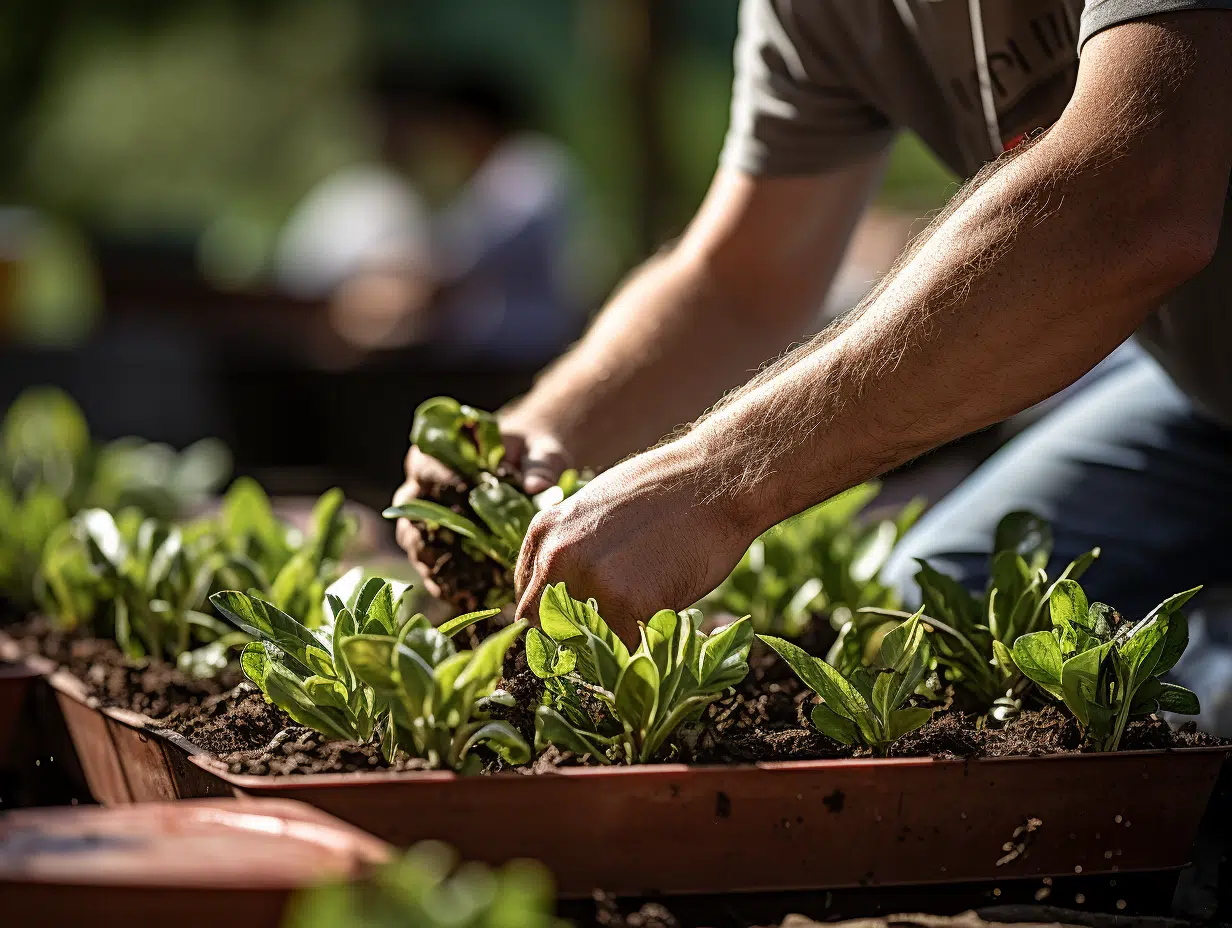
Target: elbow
x=1182, y=243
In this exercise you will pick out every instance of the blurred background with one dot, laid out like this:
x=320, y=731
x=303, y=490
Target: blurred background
x=283, y=223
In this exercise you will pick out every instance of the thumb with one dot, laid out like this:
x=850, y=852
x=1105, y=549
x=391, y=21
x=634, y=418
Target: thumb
x=543, y=462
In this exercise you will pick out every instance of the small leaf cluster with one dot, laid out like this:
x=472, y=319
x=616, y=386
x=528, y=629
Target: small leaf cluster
x=618, y=706
x=1107, y=670
x=426, y=888
x=50, y=469
x=467, y=440
x=975, y=631
x=147, y=582
x=437, y=697
x=822, y=562
x=866, y=706
x=367, y=672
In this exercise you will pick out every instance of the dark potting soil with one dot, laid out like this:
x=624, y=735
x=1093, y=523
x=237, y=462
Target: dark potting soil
x=463, y=581
x=151, y=687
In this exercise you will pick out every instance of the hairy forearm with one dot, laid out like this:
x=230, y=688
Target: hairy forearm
x=670, y=342
x=1045, y=266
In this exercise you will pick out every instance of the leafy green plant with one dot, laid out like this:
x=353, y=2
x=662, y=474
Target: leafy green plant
x=50, y=470
x=975, y=631
x=869, y=707
x=1107, y=670
x=147, y=582
x=438, y=698
x=426, y=888
x=822, y=562
x=45, y=444
x=25, y=526
x=467, y=440
x=619, y=706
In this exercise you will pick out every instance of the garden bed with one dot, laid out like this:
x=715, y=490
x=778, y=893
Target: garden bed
x=951, y=803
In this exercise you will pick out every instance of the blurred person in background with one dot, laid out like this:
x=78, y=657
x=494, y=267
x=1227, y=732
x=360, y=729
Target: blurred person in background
x=459, y=237
x=1096, y=208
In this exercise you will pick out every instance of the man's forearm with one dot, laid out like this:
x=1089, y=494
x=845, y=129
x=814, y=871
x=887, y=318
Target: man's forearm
x=1043, y=269
x=667, y=346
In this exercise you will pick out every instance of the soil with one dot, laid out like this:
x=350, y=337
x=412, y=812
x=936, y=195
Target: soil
x=464, y=583
x=153, y=688
x=764, y=719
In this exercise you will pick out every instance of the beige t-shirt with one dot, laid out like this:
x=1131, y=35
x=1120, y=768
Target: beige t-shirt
x=820, y=83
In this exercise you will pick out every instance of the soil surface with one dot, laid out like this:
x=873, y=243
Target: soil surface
x=154, y=688
x=764, y=719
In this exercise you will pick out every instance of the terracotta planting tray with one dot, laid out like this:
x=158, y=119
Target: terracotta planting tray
x=16, y=682
x=208, y=863
x=124, y=756
x=785, y=826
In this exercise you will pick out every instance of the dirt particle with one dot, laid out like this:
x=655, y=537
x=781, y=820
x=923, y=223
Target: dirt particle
x=722, y=805
x=834, y=801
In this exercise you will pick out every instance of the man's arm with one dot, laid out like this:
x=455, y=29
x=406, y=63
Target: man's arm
x=746, y=279
x=1047, y=263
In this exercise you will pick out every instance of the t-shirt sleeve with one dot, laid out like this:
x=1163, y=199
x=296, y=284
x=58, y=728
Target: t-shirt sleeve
x=791, y=111
x=1099, y=15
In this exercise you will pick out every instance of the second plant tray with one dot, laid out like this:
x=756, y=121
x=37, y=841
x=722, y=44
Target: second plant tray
x=668, y=829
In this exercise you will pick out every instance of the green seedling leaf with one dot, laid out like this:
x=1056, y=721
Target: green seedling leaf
x=502, y=738
x=552, y=728
x=463, y=622
x=506, y=511
x=1027, y=535
x=835, y=726
x=1039, y=657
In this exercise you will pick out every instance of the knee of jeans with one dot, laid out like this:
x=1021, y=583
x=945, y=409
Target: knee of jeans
x=971, y=570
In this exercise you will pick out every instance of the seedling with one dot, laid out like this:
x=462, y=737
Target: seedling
x=1104, y=669
x=147, y=582
x=975, y=632
x=437, y=698
x=823, y=562
x=869, y=707
x=467, y=440
x=616, y=706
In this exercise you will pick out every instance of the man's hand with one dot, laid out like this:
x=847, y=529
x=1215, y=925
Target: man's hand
x=638, y=538
x=532, y=449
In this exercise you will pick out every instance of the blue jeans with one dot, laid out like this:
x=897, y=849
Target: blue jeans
x=1129, y=465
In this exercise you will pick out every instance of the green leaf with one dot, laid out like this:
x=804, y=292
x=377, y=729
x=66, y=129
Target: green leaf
x=506, y=511
x=822, y=679
x=904, y=720
x=266, y=622
x=1068, y=605
x=724, y=657
x=1173, y=698
x=1027, y=535
x=463, y=622
x=551, y=728
x=872, y=551
x=464, y=439
x=545, y=659
x=433, y=514
x=833, y=725
x=502, y=738
x=578, y=626
x=1080, y=681
x=1038, y=656
x=1176, y=640
x=287, y=692
x=254, y=661
x=637, y=693
x=327, y=692
x=370, y=657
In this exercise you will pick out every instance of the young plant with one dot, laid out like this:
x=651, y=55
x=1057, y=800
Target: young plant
x=1104, y=669
x=822, y=562
x=618, y=706
x=975, y=631
x=25, y=526
x=136, y=579
x=492, y=523
x=869, y=707
x=437, y=698
x=147, y=583
x=426, y=888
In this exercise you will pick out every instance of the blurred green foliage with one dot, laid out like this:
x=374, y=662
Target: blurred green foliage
x=213, y=117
